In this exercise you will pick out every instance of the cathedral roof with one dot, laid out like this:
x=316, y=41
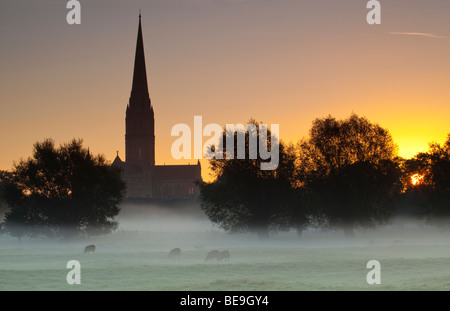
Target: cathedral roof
x=117, y=162
x=178, y=172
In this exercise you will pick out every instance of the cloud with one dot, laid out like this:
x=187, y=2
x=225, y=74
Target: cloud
x=420, y=34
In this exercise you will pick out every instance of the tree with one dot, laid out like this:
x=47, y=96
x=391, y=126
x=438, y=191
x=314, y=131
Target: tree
x=62, y=191
x=4, y=178
x=243, y=197
x=349, y=171
x=432, y=192
x=411, y=203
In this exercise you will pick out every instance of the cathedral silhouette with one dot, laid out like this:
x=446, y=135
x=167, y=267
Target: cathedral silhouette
x=144, y=179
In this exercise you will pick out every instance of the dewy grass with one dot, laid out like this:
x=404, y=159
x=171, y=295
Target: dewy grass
x=130, y=261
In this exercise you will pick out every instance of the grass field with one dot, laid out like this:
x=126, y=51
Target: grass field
x=137, y=260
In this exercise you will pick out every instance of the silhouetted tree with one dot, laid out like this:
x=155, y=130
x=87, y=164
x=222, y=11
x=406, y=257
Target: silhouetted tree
x=4, y=178
x=349, y=171
x=431, y=194
x=245, y=198
x=411, y=203
x=62, y=192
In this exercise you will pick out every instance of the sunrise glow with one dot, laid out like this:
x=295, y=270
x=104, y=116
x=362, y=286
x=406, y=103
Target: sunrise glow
x=417, y=179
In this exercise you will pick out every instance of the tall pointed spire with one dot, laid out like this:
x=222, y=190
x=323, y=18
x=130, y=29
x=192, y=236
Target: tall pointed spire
x=139, y=92
x=140, y=119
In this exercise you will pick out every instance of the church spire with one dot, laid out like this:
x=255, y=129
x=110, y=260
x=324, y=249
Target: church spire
x=140, y=119
x=139, y=91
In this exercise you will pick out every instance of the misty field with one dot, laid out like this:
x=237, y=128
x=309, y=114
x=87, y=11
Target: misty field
x=135, y=258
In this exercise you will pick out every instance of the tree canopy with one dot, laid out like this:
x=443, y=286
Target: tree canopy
x=349, y=170
x=430, y=194
x=4, y=178
x=245, y=198
x=62, y=191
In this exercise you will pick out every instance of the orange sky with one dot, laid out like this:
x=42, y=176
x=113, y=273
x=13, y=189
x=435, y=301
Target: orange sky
x=284, y=62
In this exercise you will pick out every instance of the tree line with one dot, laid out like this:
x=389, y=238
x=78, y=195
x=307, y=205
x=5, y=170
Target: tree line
x=346, y=174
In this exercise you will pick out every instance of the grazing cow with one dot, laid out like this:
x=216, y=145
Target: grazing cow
x=224, y=255
x=89, y=249
x=176, y=252
x=212, y=255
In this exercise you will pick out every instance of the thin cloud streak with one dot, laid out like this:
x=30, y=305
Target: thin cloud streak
x=421, y=34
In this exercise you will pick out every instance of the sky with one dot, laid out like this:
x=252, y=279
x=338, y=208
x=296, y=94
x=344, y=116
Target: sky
x=282, y=62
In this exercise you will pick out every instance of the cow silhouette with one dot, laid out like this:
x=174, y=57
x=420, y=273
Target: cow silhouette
x=224, y=255
x=212, y=255
x=89, y=249
x=174, y=253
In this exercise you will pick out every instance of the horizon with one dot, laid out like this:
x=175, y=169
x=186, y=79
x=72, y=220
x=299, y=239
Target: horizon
x=286, y=63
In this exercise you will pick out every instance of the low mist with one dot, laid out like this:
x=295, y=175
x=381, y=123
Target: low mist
x=163, y=217
x=412, y=254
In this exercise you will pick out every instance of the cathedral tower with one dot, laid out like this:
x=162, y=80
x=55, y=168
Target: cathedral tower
x=140, y=120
